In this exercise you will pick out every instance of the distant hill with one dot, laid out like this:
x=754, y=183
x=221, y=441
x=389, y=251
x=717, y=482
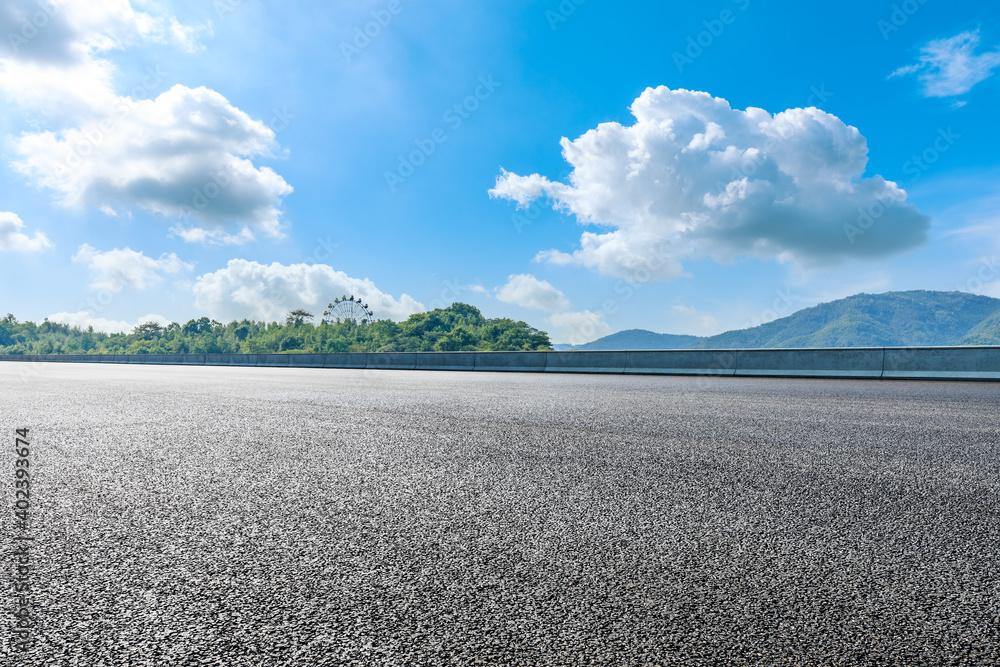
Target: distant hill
x=640, y=339
x=864, y=320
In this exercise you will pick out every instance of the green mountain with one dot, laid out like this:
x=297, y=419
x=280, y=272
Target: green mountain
x=863, y=320
x=640, y=339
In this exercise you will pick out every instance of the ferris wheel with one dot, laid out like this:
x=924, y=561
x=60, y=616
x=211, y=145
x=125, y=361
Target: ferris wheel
x=348, y=308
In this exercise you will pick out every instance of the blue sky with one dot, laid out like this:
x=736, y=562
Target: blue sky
x=170, y=160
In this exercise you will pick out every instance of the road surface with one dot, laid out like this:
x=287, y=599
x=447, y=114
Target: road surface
x=243, y=516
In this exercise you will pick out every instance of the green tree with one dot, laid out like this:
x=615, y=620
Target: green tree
x=297, y=318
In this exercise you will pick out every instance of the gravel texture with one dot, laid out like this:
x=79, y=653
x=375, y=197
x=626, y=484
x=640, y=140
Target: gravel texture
x=240, y=516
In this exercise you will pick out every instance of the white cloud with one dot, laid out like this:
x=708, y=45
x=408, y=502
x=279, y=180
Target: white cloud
x=12, y=238
x=83, y=320
x=991, y=289
x=950, y=67
x=53, y=57
x=212, y=237
x=695, y=177
x=577, y=328
x=527, y=291
x=639, y=256
x=701, y=324
x=246, y=289
x=185, y=154
x=117, y=269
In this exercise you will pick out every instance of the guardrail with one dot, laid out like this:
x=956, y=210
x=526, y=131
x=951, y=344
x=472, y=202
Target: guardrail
x=916, y=363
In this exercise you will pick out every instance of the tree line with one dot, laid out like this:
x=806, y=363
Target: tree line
x=460, y=327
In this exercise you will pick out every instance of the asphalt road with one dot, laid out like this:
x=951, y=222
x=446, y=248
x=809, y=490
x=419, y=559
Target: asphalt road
x=240, y=516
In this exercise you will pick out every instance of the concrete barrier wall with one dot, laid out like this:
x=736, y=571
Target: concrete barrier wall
x=272, y=360
x=589, y=362
x=191, y=359
x=305, y=360
x=850, y=363
x=929, y=363
x=219, y=359
x=347, y=360
x=399, y=361
x=681, y=362
x=445, y=361
x=935, y=363
x=524, y=362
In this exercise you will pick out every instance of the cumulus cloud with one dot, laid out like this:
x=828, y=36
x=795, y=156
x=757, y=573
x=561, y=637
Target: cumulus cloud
x=577, y=328
x=53, y=58
x=246, y=289
x=694, y=176
x=117, y=269
x=185, y=154
x=13, y=238
x=527, y=291
x=950, y=67
x=84, y=319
